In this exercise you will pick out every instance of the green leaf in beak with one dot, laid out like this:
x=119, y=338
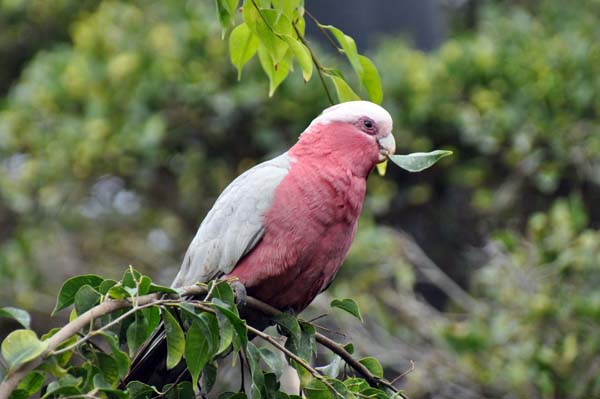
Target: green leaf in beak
x=381, y=167
x=418, y=161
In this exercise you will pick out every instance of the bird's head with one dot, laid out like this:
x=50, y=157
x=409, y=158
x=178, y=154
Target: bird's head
x=366, y=118
x=361, y=131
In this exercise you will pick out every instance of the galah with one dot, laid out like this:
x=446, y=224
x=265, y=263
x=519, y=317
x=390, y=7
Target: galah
x=283, y=227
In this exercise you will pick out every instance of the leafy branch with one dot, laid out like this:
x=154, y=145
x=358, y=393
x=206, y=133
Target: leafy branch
x=275, y=31
x=216, y=328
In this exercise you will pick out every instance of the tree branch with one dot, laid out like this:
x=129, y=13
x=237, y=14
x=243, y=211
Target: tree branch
x=72, y=328
x=331, y=345
x=8, y=385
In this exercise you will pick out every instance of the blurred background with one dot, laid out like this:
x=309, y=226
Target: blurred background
x=121, y=122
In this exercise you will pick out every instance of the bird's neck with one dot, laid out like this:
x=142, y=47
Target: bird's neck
x=338, y=145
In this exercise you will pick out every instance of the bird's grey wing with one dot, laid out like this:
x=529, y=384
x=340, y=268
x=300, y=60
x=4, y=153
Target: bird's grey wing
x=234, y=225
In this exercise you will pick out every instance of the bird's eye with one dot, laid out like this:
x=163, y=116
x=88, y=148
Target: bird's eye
x=368, y=124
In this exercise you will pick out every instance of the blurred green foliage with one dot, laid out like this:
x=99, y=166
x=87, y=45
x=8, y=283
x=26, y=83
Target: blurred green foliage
x=27, y=26
x=113, y=146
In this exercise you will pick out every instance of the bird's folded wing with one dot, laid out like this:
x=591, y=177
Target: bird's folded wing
x=234, y=225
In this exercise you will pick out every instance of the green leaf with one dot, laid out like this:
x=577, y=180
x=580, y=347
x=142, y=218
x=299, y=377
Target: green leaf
x=343, y=90
x=105, y=286
x=137, y=332
x=286, y=7
x=56, y=391
x=273, y=360
x=139, y=390
x=118, y=292
x=66, y=295
x=21, y=346
x=211, y=330
x=223, y=291
x=238, y=324
x=19, y=315
x=131, y=278
x=349, y=46
x=303, y=374
x=258, y=387
x=316, y=389
x=332, y=369
x=270, y=33
x=226, y=11
x=197, y=349
x=152, y=315
x=356, y=384
x=120, y=357
x=275, y=72
x=302, y=55
x=243, y=44
x=374, y=393
x=183, y=390
x=370, y=79
x=289, y=324
x=208, y=379
x=108, y=367
x=160, y=288
x=144, y=285
x=308, y=344
x=304, y=345
x=419, y=161
x=340, y=390
x=373, y=366
x=225, y=333
x=85, y=298
x=349, y=305
x=32, y=383
x=175, y=339
x=19, y=394
x=251, y=15
x=115, y=393
x=349, y=348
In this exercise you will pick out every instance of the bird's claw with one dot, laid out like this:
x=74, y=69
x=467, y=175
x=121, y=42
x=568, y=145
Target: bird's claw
x=239, y=290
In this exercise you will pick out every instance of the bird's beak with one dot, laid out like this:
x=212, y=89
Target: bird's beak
x=387, y=146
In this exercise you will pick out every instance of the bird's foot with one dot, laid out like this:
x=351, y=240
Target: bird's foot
x=239, y=289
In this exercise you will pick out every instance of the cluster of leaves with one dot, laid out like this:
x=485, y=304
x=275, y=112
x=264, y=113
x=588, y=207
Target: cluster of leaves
x=274, y=29
x=541, y=309
x=27, y=26
x=198, y=331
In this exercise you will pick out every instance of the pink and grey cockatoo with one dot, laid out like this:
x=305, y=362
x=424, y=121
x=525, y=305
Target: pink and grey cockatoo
x=284, y=227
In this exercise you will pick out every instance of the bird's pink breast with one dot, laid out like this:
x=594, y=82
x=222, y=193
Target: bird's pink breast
x=309, y=229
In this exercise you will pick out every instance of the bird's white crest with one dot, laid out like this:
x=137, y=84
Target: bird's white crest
x=351, y=111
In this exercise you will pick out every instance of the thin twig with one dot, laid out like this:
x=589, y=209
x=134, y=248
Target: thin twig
x=295, y=357
x=323, y=31
x=114, y=322
x=331, y=345
x=318, y=65
x=318, y=317
x=329, y=330
x=410, y=370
